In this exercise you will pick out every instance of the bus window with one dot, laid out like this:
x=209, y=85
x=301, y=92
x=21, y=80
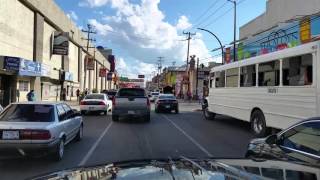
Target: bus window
x=296, y=175
x=220, y=81
x=253, y=170
x=232, y=77
x=269, y=73
x=272, y=173
x=297, y=71
x=248, y=76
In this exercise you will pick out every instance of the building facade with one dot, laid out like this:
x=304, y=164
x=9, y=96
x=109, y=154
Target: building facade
x=28, y=61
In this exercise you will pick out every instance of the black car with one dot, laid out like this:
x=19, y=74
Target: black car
x=300, y=142
x=109, y=93
x=166, y=102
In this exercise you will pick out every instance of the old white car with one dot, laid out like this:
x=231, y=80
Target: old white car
x=96, y=102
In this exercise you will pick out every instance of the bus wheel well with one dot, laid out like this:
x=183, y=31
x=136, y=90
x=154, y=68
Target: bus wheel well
x=255, y=109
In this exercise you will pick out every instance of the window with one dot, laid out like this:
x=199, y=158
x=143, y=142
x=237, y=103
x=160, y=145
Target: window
x=67, y=109
x=297, y=71
x=269, y=73
x=220, y=79
x=253, y=170
x=95, y=96
x=272, y=173
x=305, y=137
x=232, y=77
x=28, y=113
x=297, y=175
x=61, y=112
x=23, y=85
x=248, y=76
x=131, y=92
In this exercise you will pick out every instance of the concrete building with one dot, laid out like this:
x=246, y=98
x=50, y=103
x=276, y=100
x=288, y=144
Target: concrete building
x=279, y=11
x=27, y=29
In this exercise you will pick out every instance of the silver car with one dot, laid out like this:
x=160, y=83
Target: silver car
x=38, y=128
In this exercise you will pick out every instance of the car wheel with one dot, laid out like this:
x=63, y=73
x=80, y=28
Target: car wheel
x=115, y=118
x=258, y=124
x=59, y=151
x=83, y=112
x=79, y=134
x=105, y=113
x=177, y=110
x=208, y=115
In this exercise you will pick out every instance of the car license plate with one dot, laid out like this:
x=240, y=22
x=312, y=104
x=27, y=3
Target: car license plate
x=131, y=112
x=91, y=108
x=167, y=106
x=10, y=135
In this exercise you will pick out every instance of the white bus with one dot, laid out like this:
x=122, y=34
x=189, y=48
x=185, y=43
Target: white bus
x=274, y=90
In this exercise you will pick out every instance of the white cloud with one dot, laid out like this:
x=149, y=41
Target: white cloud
x=143, y=33
x=72, y=15
x=132, y=71
x=93, y=3
x=103, y=29
x=183, y=23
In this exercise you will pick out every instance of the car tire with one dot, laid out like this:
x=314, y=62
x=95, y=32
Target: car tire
x=105, y=112
x=59, y=151
x=79, y=134
x=83, y=112
x=177, y=110
x=208, y=115
x=258, y=124
x=115, y=118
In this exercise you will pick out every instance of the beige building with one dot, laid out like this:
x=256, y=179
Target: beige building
x=279, y=11
x=27, y=30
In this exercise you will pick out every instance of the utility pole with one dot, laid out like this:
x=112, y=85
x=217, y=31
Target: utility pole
x=89, y=31
x=189, y=34
x=197, y=76
x=234, y=28
x=159, y=63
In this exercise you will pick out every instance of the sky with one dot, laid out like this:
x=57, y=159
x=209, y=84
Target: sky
x=140, y=31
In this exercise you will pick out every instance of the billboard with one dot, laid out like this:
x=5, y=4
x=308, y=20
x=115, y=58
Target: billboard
x=141, y=76
x=60, y=43
x=11, y=63
x=112, y=61
x=89, y=62
x=29, y=68
x=102, y=72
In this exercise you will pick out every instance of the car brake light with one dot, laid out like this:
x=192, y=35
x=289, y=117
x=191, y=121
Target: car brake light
x=113, y=101
x=82, y=103
x=35, y=134
x=102, y=103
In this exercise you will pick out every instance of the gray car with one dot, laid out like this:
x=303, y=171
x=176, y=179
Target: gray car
x=38, y=128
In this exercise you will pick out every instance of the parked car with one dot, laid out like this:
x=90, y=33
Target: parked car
x=166, y=102
x=154, y=96
x=131, y=102
x=96, y=102
x=300, y=142
x=38, y=128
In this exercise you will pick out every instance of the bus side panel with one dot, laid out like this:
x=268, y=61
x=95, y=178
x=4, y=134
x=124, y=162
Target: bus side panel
x=282, y=106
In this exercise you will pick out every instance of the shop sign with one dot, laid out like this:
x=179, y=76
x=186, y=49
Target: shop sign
x=45, y=70
x=11, y=63
x=89, y=62
x=29, y=68
x=102, y=72
x=61, y=43
x=68, y=76
x=201, y=75
x=109, y=76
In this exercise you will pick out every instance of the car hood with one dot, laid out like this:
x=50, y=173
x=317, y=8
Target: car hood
x=183, y=168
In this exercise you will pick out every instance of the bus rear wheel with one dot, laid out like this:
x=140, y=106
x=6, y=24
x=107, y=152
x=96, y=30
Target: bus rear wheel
x=258, y=124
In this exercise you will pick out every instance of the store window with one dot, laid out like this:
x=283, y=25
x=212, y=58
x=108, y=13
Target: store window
x=248, y=76
x=297, y=71
x=232, y=77
x=220, y=79
x=23, y=85
x=269, y=73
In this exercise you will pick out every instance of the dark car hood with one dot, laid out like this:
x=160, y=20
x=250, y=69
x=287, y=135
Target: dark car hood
x=169, y=169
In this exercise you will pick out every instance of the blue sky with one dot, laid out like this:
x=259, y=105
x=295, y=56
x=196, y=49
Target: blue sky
x=139, y=31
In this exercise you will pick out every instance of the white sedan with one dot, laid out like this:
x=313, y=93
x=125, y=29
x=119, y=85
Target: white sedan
x=96, y=103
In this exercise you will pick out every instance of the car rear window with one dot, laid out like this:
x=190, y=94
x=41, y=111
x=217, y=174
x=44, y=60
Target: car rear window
x=28, y=113
x=94, y=96
x=167, y=97
x=111, y=93
x=131, y=92
x=155, y=94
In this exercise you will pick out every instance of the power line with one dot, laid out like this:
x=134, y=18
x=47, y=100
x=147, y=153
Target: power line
x=206, y=11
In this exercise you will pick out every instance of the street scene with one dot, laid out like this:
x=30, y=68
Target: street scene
x=159, y=89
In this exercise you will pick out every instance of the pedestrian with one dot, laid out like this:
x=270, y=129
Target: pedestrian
x=189, y=95
x=200, y=97
x=31, y=96
x=78, y=94
x=86, y=92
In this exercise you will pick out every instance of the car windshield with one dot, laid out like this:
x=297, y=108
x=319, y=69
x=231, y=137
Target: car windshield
x=95, y=96
x=131, y=92
x=28, y=113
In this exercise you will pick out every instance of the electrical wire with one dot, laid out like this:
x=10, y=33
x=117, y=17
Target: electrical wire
x=206, y=11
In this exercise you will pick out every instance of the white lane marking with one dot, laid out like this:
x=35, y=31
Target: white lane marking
x=189, y=137
x=87, y=156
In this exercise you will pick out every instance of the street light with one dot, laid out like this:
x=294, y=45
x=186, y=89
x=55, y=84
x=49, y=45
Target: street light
x=234, y=28
x=221, y=46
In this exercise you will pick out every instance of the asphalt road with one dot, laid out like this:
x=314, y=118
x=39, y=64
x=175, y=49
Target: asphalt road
x=166, y=136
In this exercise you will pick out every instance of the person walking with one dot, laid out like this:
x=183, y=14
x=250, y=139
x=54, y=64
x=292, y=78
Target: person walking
x=31, y=96
x=86, y=92
x=78, y=94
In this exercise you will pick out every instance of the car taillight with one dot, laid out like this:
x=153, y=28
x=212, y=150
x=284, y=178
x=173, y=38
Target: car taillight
x=102, y=103
x=35, y=134
x=82, y=103
x=113, y=101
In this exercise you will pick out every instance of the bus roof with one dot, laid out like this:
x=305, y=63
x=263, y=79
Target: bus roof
x=289, y=52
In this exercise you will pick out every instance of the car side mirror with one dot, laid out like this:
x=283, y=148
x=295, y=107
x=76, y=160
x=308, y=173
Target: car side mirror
x=272, y=139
